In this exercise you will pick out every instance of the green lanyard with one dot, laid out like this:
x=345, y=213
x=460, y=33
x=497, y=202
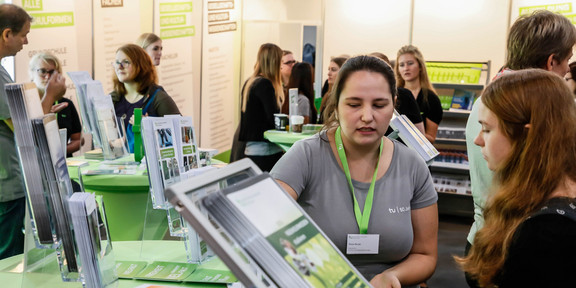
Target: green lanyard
x=361, y=218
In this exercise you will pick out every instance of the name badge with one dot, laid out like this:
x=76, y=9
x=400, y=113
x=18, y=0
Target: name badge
x=362, y=244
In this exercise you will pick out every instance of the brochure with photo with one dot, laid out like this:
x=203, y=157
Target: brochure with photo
x=187, y=151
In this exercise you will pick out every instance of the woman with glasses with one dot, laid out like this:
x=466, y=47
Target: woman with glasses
x=41, y=66
x=135, y=86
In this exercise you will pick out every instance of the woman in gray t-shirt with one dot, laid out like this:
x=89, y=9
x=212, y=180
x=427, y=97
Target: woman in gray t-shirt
x=350, y=165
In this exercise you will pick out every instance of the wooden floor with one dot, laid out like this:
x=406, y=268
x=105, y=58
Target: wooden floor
x=452, y=234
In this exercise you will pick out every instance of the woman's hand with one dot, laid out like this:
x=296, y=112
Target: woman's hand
x=131, y=121
x=385, y=280
x=58, y=107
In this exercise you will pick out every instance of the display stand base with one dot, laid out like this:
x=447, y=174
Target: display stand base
x=39, y=262
x=167, y=225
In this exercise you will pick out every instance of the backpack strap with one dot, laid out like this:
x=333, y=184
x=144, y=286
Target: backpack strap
x=145, y=109
x=559, y=206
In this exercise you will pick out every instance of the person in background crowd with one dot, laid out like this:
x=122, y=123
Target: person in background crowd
x=286, y=66
x=529, y=235
x=405, y=102
x=569, y=78
x=153, y=46
x=135, y=86
x=14, y=29
x=333, y=68
x=411, y=74
x=41, y=66
x=302, y=77
x=541, y=40
x=350, y=164
x=262, y=97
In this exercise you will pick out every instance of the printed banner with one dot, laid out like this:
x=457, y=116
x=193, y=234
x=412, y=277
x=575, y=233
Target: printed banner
x=219, y=69
x=173, y=23
x=116, y=22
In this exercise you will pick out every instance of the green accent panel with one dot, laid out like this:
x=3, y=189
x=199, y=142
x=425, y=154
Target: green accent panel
x=187, y=31
x=172, y=20
x=558, y=8
x=462, y=73
x=32, y=5
x=176, y=7
x=50, y=20
x=167, y=153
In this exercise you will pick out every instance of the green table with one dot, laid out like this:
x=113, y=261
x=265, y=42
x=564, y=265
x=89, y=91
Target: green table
x=126, y=199
x=171, y=251
x=284, y=139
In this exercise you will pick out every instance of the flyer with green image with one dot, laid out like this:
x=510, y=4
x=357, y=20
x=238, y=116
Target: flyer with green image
x=129, y=269
x=211, y=276
x=166, y=271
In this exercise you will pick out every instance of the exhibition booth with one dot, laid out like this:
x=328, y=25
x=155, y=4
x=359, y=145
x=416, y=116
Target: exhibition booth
x=209, y=50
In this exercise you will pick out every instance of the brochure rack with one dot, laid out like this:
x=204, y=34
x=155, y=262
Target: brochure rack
x=260, y=232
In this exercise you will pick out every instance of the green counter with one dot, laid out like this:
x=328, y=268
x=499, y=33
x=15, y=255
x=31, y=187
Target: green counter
x=284, y=139
x=126, y=200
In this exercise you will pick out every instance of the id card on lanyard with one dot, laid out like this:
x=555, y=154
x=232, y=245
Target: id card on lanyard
x=361, y=243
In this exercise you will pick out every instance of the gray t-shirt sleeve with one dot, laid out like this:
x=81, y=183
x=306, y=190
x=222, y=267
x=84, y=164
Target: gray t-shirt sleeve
x=293, y=168
x=303, y=106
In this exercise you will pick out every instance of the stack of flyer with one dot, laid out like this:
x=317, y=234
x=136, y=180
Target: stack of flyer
x=48, y=185
x=261, y=233
x=92, y=238
x=413, y=138
x=99, y=117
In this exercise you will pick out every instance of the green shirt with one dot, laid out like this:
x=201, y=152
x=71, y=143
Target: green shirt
x=480, y=175
x=11, y=181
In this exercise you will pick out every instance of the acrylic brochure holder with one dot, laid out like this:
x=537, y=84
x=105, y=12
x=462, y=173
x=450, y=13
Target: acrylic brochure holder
x=171, y=156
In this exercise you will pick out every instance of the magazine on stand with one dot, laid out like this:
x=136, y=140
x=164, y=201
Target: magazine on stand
x=92, y=238
x=108, y=126
x=161, y=148
x=99, y=117
x=57, y=179
x=260, y=232
x=24, y=104
x=80, y=80
x=413, y=138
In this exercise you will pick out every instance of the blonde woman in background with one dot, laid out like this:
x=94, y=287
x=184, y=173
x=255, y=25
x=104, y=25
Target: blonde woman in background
x=41, y=66
x=153, y=46
x=262, y=97
x=411, y=74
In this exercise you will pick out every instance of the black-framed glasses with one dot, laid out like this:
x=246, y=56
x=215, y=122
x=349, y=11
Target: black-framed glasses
x=43, y=72
x=123, y=64
x=291, y=62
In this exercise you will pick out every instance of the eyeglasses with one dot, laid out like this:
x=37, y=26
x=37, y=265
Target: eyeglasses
x=123, y=64
x=43, y=72
x=291, y=62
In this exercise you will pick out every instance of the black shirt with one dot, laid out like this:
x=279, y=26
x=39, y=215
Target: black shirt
x=68, y=119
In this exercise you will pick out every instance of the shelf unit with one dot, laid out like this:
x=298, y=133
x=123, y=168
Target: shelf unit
x=450, y=170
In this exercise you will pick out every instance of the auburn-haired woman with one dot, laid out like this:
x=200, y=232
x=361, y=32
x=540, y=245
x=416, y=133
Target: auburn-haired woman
x=528, y=139
x=135, y=86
